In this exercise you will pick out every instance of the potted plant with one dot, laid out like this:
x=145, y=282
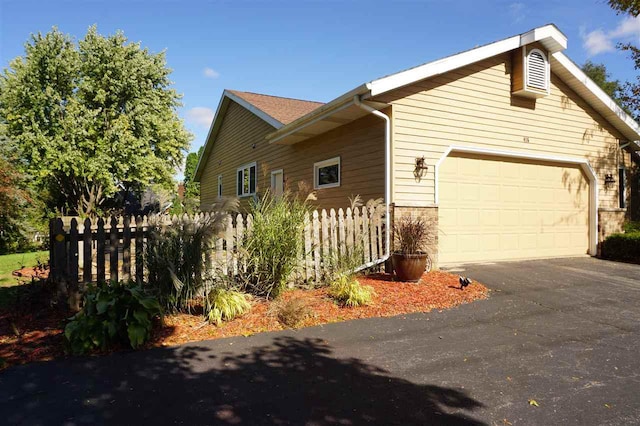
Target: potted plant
x=410, y=257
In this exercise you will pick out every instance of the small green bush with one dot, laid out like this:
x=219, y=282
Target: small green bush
x=272, y=248
x=349, y=292
x=631, y=227
x=112, y=313
x=624, y=247
x=224, y=305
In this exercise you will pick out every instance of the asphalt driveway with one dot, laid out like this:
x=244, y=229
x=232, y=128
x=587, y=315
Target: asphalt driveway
x=562, y=332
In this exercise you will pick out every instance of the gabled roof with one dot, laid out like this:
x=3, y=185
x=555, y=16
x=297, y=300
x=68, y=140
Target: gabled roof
x=275, y=110
x=343, y=108
x=285, y=110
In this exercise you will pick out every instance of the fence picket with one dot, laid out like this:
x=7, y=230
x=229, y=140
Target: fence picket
x=379, y=231
x=348, y=224
x=139, y=249
x=316, y=245
x=228, y=236
x=100, y=251
x=372, y=233
x=72, y=259
x=365, y=235
x=126, y=249
x=113, y=250
x=87, y=258
x=341, y=236
x=333, y=232
x=308, y=262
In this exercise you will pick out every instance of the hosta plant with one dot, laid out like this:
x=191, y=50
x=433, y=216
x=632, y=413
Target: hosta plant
x=112, y=313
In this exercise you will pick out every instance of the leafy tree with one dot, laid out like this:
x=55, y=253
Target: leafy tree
x=598, y=73
x=92, y=117
x=632, y=7
x=18, y=215
x=192, y=189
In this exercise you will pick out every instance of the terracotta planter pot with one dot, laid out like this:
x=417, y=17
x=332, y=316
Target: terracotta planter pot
x=409, y=267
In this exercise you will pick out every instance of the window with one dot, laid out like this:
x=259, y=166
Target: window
x=537, y=70
x=621, y=187
x=326, y=174
x=219, y=186
x=247, y=180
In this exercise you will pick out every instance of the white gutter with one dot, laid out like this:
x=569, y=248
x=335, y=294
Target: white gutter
x=387, y=178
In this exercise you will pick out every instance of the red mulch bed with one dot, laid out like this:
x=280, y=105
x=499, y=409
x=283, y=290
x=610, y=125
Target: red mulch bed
x=39, y=337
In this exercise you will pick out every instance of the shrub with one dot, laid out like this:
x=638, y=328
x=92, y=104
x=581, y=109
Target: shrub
x=411, y=235
x=291, y=312
x=112, y=313
x=349, y=292
x=624, y=247
x=225, y=305
x=272, y=248
x=174, y=254
x=631, y=227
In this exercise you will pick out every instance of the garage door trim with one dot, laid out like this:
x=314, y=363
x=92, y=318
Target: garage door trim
x=583, y=163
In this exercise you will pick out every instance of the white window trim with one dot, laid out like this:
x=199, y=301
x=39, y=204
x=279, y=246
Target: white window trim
x=244, y=166
x=325, y=163
x=547, y=69
x=220, y=187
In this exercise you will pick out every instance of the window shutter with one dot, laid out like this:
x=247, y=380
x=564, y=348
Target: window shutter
x=239, y=182
x=536, y=70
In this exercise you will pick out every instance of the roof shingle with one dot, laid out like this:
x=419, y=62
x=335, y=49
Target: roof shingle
x=285, y=110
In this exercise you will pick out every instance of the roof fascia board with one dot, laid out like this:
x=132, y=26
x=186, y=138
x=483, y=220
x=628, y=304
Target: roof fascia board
x=557, y=41
x=263, y=115
x=575, y=70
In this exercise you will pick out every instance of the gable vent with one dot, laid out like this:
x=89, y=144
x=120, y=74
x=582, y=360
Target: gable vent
x=537, y=70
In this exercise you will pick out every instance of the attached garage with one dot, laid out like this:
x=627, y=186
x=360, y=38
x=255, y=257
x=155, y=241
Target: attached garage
x=499, y=208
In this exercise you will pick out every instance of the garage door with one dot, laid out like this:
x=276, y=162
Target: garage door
x=497, y=209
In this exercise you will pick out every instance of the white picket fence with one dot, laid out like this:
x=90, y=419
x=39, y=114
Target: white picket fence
x=115, y=245
x=325, y=234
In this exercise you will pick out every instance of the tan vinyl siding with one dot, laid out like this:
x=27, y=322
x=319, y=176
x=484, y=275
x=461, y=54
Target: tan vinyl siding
x=473, y=106
x=359, y=144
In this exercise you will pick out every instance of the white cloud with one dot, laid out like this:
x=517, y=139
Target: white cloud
x=211, y=73
x=200, y=116
x=517, y=12
x=600, y=41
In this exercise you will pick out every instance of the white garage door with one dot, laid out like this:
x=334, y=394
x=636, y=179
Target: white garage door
x=497, y=209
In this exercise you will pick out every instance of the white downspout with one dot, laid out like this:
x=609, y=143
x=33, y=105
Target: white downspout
x=387, y=177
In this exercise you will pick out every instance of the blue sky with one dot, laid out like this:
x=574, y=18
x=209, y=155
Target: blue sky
x=311, y=50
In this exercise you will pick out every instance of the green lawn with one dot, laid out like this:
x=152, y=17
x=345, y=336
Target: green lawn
x=11, y=262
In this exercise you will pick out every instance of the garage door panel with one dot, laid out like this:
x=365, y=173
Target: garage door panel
x=492, y=209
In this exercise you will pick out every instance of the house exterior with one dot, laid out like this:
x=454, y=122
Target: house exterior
x=508, y=150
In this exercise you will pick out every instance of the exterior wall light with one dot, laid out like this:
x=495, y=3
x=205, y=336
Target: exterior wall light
x=420, y=169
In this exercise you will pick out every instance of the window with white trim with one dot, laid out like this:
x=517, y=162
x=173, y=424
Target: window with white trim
x=326, y=174
x=537, y=70
x=246, y=180
x=219, y=186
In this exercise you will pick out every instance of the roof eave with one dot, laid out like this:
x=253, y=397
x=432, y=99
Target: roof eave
x=327, y=109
